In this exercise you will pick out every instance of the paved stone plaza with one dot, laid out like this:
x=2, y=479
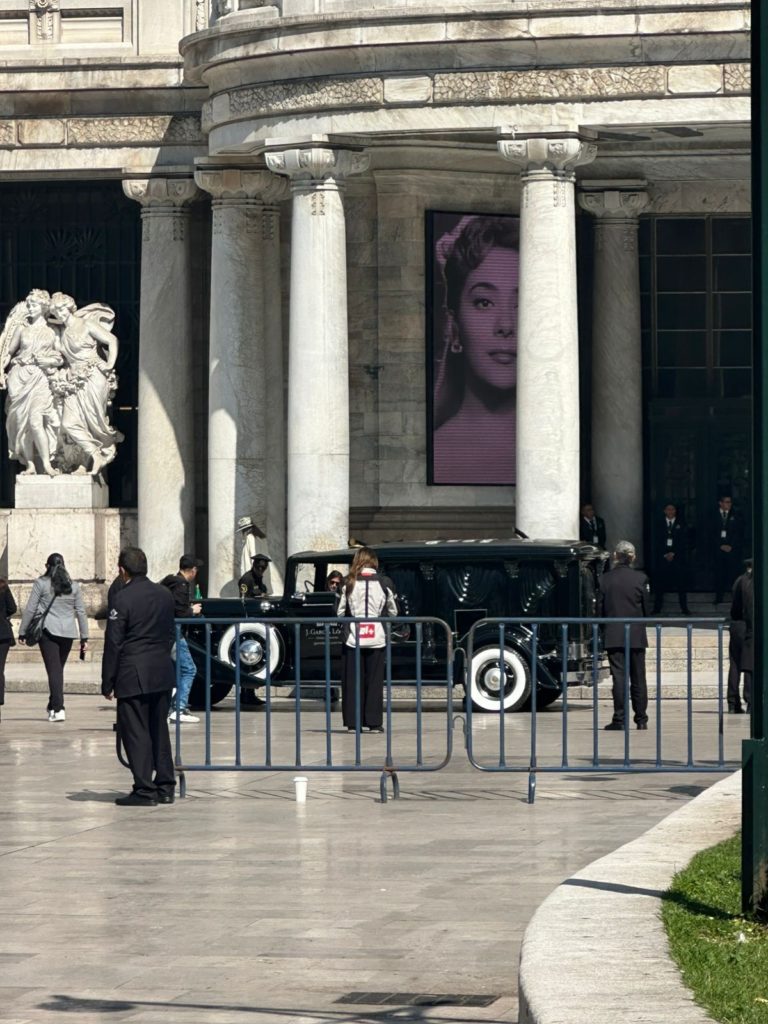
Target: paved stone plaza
x=238, y=905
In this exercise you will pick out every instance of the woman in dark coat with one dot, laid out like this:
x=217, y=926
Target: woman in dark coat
x=7, y=639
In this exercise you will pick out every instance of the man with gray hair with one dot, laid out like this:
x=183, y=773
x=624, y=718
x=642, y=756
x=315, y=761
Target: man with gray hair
x=624, y=594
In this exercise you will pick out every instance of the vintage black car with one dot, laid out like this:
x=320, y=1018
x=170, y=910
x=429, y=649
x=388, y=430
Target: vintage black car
x=461, y=583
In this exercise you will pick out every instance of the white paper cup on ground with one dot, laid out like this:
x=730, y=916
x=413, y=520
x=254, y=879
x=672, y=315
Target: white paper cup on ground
x=300, y=785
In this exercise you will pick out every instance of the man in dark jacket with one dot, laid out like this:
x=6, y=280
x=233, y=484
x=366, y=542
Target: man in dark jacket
x=182, y=586
x=727, y=536
x=743, y=611
x=138, y=671
x=670, y=559
x=623, y=595
x=591, y=527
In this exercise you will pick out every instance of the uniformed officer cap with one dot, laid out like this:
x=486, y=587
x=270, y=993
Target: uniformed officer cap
x=261, y=558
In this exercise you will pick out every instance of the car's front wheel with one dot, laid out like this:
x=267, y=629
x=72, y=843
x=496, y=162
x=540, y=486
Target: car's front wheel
x=498, y=676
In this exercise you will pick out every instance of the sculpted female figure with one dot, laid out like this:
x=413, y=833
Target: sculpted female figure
x=29, y=345
x=89, y=349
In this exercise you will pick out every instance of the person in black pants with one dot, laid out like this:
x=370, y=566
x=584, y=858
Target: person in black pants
x=58, y=597
x=623, y=594
x=670, y=559
x=365, y=595
x=138, y=670
x=7, y=640
x=743, y=611
x=727, y=534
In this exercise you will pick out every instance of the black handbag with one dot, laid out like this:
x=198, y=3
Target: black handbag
x=36, y=624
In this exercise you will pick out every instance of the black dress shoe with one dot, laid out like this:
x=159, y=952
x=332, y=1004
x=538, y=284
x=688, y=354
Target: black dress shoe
x=134, y=800
x=166, y=798
x=614, y=727
x=686, y=611
x=736, y=710
x=642, y=725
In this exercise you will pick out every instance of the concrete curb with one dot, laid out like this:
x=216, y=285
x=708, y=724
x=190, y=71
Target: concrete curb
x=596, y=951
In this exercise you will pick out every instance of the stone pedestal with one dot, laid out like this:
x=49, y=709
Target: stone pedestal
x=617, y=391
x=61, y=492
x=318, y=375
x=67, y=514
x=548, y=340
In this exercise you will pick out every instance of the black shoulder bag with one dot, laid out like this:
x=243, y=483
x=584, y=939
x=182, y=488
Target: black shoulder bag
x=36, y=625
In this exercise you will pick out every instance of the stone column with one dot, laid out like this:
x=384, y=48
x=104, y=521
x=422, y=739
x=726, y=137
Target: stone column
x=617, y=388
x=274, y=378
x=318, y=387
x=240, y=407
x=547, y=494
x=165, y=436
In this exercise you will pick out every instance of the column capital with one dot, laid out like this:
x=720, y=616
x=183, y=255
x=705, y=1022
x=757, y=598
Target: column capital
x=171, y=194
x=614, y=204
x=316, y=164
x=239, y=183
x=556, y=152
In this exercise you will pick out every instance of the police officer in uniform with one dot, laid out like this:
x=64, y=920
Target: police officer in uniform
x=138, y=671
x=624, y=594
x=252, y=583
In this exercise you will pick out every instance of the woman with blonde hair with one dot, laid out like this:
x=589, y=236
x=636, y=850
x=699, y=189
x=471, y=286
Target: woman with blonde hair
x=366, y=595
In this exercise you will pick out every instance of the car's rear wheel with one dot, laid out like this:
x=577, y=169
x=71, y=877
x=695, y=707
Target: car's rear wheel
x=219, y=691
x=495, y=676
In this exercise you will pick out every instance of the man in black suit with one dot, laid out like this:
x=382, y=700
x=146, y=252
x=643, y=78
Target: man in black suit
x=137, y=669
x=670, y=555
x=727, y=534
x=623, y=595
x=591, y=526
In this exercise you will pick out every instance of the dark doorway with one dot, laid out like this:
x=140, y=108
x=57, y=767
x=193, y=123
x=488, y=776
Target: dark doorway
x=84, y=239
x=696, y=455
x=697, y=331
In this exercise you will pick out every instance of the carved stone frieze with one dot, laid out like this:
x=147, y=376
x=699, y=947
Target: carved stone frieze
x=315, y=94
x=43, y=12
x=7, y=133
x=737, y=78
x=550, y=83
x=162, y=130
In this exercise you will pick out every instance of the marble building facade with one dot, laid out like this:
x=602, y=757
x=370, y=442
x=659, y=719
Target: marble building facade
x=282, y=157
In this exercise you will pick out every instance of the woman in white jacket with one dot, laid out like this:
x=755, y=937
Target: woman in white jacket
x=366, y=595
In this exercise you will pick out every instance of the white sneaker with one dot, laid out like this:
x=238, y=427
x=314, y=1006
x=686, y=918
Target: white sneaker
x=50, y=715
x=58, y=716
x=184, y=716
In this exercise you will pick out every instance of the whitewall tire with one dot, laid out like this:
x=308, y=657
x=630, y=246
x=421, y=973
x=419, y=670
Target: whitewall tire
x=253, y=649
x=492, y=678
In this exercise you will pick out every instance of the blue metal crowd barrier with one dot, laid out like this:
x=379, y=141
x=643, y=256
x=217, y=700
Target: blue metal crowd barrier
x=506, y=633
x=389, y=764
x=501, y=741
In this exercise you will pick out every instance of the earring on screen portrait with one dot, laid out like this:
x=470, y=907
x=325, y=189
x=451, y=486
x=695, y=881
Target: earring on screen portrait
x=454, y=340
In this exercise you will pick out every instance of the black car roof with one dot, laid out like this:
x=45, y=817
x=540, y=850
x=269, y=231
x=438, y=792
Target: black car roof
x=492, y=548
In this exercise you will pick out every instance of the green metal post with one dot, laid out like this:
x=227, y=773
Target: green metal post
x=754, y=864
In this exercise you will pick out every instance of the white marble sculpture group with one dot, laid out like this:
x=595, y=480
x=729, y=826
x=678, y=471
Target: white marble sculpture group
x=57, y=364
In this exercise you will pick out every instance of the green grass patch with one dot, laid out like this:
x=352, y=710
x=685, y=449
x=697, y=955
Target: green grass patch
x=722, y=955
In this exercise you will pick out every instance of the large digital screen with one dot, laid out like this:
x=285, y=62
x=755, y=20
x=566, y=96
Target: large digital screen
x=473, y=263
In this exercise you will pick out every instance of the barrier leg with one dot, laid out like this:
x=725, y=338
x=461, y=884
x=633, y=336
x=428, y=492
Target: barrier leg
x=182, y=783
x=389, y=774
x=531, y=787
